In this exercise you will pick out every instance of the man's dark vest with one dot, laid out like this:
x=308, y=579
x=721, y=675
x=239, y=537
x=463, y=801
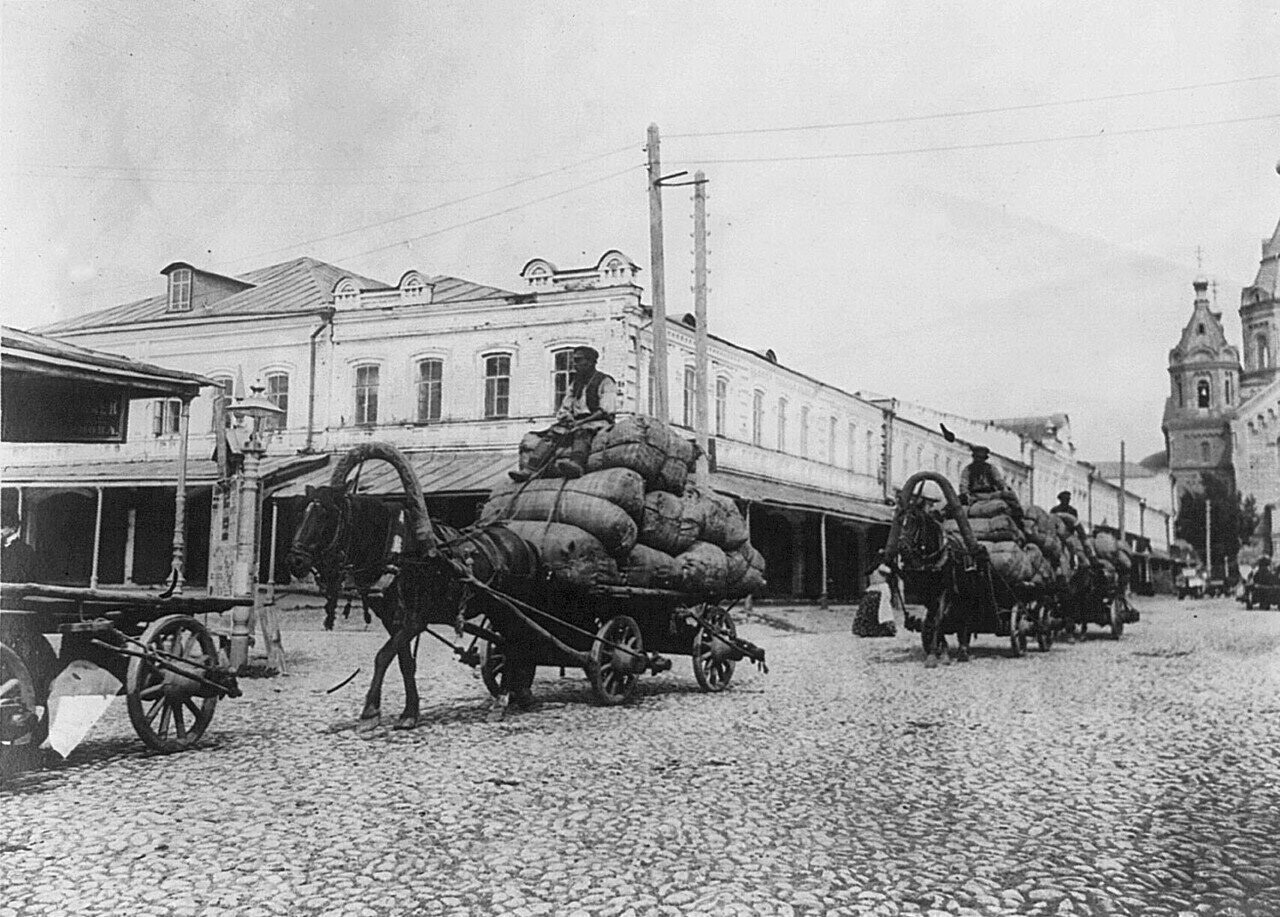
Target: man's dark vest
x=593, y=390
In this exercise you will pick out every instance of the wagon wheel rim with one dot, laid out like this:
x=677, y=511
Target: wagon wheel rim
x=610, y=669
x=19, y=715
x=166, y=713
x=712, y=665
x=493, y=665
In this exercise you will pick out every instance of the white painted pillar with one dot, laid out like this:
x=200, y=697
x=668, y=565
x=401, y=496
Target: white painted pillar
x=130, y=537
x=822, y=542
x=97, y=542
x=271, y=558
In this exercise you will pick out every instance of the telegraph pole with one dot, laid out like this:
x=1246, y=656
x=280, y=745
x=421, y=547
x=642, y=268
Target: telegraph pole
x=701, y=425
x=1124, y=496
x=1208, y=543
x=657, y=264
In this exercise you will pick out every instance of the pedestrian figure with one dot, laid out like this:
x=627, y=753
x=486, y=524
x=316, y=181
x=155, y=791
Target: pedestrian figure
x=587, y=408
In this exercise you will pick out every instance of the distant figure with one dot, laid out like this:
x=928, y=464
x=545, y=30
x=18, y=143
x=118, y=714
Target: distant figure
x=1064, y=505
x=17, y=558
x=980, y=477
x=588, y=407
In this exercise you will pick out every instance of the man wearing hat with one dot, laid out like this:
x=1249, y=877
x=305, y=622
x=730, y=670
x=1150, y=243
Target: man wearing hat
x=588, y=406
x=1064, y=505
x=980, y=477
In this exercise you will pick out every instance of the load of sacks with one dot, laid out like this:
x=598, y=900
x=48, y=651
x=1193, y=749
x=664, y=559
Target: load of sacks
x=634, y=519
x=1112, y=556
x=1001, y=528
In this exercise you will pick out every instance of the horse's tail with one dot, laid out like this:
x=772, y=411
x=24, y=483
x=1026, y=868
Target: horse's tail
x=419, y=518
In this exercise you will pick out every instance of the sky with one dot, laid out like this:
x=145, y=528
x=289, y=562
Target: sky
x=991, y=209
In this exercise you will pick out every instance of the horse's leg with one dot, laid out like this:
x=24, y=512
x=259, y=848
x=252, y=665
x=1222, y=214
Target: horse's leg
x=372, y=711
x=409, y=672
x=930, y=633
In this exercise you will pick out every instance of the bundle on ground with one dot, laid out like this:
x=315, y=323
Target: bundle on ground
x=571, y=555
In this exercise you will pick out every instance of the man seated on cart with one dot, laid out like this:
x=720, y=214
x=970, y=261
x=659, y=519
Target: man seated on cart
x=1064, y=505
x=587, y=408
x=980, y=478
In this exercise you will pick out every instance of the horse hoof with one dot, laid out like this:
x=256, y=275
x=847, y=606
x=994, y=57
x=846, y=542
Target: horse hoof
x=945, y=658
x=930, y=662
x=368, y=724
x=962, y=655
x=406, y=722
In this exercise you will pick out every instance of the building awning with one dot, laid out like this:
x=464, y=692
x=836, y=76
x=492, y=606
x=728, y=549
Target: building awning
x=793, y=496
x=442, y=473
x=147, y=472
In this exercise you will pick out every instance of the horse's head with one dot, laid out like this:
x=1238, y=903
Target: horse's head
x=921, y=541
x=319, y=532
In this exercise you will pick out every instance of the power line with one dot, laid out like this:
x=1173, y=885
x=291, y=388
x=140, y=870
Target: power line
x=993, y=144
x=905, y=119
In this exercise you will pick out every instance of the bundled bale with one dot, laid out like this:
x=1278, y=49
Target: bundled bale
x=648, y=446
x=649, y=568
x=603, y=503
x=621, y=486
x=571, y=555
x=1009, y=562
x=996, y=528
x=704, y=569
x=745, y=571
x=668, y=523
x=721, y=523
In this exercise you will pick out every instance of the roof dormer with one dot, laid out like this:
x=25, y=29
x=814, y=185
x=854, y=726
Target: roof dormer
x=194, y=290
x=346, y=294
x=415, y=287
x=539, y=273
x=616, y=269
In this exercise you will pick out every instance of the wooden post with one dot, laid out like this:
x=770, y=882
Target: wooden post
x=1208, y=535
x=180, y=500
x=130, y=540
x=657, y=264
x=97, y=542
x=271, y=558
x=1124, y=497
x=822, y=541
x=700, y=419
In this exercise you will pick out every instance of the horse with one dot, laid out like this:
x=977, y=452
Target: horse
x=411, y=571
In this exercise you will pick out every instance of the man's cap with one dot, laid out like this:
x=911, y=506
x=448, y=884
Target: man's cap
x=589, y=352
x=979, y=450
x=1064, y=496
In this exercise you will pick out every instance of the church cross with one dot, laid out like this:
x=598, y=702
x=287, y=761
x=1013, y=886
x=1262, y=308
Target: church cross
x=1199, y=258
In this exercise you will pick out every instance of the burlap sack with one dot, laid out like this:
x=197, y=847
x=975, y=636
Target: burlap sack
x=649, y=568
x=704, y=569
x=664, y=524
x=620, y=486
x=672, y=476
x=745, y=570
x=639, y=443
x=1009, y=562
x=568, y=553
x=607, y=522
x=1106, y=546
x=996, y=528
x=720, y=522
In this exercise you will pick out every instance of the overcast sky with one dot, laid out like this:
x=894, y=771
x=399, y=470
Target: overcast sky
x=1032, y=259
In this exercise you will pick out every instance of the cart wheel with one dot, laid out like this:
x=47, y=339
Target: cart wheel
x=1117, y=620
x=1017, y=631
x=23, y=721
x=165, y=706
x=712, y=658
x=614, y=672
x=493, y=666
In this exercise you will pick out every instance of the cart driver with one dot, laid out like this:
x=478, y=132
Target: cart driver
x=1064, y=505
x=588, y=407
x=17, y=558
x=980, y=477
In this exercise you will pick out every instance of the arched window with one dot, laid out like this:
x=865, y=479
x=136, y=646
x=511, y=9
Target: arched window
x=873, y=465
x=345, y=293
x=722, y=405
x=831, y=440
x=497, y=385
x=1204, y=452
x=1227, y=390
x=853, y=446
x=690, y=395
x=430, y=384
x=1177, y=389
x=804, y=431
x=782, y=424
x=414, y=288
x=561, y=371
x=367, y=393
x=757, y=418
x=1202, y=393
x=278, y=394
x=1264, y=352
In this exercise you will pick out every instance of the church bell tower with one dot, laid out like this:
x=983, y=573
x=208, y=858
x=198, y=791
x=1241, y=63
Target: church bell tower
x=1260, y=321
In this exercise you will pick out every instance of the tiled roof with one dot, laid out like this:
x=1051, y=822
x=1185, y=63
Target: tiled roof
x=300, y=285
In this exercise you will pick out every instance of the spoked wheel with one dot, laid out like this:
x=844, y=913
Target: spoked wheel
x=169, y=709
x=493, y=666
x=713, y=661
x=22, y=721
x=1017, y=631
x=616, y=660
x=1117, y=619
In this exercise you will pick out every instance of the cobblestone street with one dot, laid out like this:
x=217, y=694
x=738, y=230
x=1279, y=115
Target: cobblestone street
x=1139, y=777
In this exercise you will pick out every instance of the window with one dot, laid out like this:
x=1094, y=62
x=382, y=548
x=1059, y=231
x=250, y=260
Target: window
x=497, y=386
x=1202, y=393
x=1177, y=387
x=414, y=288
x=873, y=464
x=757, y=418
x=831, y=440
x=1264, y=352
x=1204, y=452
x=782, y=424
x=1200, y=328
x=1227, y=389
x=561, y=371
x=278, y=394
x=690, y=395
x=804, y=431
x=722, y=405
x=366, y=394
x=853, y=446
x=919, y=457
x=346, y=294
x=166, y=418
x=180, y=290
x=225, y=390
x=430, y=384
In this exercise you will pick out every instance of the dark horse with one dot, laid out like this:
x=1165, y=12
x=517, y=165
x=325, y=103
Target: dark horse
x=932, y=567
x=409, y=572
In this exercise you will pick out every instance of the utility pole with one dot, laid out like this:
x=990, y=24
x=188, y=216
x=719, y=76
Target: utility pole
x=1124, y=495
x=700, y=420
x=657, y=264
x=1208, y=543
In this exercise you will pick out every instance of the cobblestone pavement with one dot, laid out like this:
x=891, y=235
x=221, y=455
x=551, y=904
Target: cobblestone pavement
x=1137, y=777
